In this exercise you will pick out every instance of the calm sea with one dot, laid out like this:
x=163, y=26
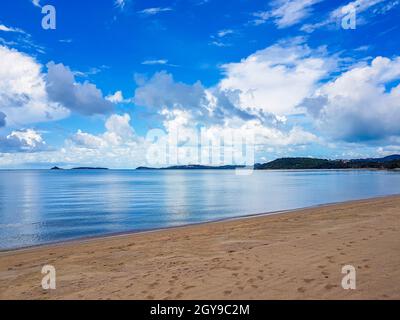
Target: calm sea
x=43, y=206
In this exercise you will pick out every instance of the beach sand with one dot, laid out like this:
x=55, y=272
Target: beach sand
x=294, y=255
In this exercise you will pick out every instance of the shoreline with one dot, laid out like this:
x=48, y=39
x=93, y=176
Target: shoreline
x=87, y=239
x=295, y=254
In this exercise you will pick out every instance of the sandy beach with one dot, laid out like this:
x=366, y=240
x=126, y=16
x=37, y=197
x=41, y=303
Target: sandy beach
x=292, y=255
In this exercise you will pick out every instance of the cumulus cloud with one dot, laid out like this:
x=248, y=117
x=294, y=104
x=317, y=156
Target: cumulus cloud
x=161, y=91
x=23, y=96
x=360, y=104
x=181, y=123
x=186, y=108
x=84, y=98
x=119, y=124
x=22, y=141
x=88, y=140
x=118, y=132
x=28, y=95
x=207, y=105
x=117, y=97
x=265, y=80
x=255, y=95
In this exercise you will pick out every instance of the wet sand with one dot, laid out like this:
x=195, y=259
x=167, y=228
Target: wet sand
x=293, y=255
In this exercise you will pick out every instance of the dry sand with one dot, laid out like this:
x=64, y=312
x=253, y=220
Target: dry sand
x=295, y=255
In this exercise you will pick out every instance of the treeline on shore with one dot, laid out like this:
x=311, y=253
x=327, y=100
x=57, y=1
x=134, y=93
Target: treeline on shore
x=389, y=163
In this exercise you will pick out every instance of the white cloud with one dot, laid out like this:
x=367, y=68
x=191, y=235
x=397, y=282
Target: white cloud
x=120, y=3
x=118, y=132
x=219, y=39
x=183, y=123
x=265, y=80
x=36, y=3
x=286, y=13
x=84, y=98
x=27, y=95
x=23, y=96
x=119, y=125
x=388, y=150
x=221, y=44
x=88, y=140
x=10, y=29
x=117, y=97
x=363, y=10
x=208, y=105
x=360, y=104
x=154, y=11
x=161, y=91
x=224, y=32
x=117, y=147
x=184, y=108
x=22, y=141
x=160, y=62
x=261, y=17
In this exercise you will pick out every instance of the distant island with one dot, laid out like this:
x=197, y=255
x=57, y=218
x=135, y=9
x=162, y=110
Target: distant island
x=301, y=163
x=80, y=168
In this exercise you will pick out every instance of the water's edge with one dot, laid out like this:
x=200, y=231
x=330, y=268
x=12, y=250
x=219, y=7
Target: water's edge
x=4, y=252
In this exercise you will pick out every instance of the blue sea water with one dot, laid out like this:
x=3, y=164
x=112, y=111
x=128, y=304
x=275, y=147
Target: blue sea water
x=44, y=206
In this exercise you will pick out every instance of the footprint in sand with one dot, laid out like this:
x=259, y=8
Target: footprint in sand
x=189, y=287
x=330, y=286
x=301, y=289
x=179, y=295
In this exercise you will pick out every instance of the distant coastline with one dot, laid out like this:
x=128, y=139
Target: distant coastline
x=302, y=163
x=80, y=168
x=391, y=162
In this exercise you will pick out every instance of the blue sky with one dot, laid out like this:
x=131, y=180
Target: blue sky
x=88, y=92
